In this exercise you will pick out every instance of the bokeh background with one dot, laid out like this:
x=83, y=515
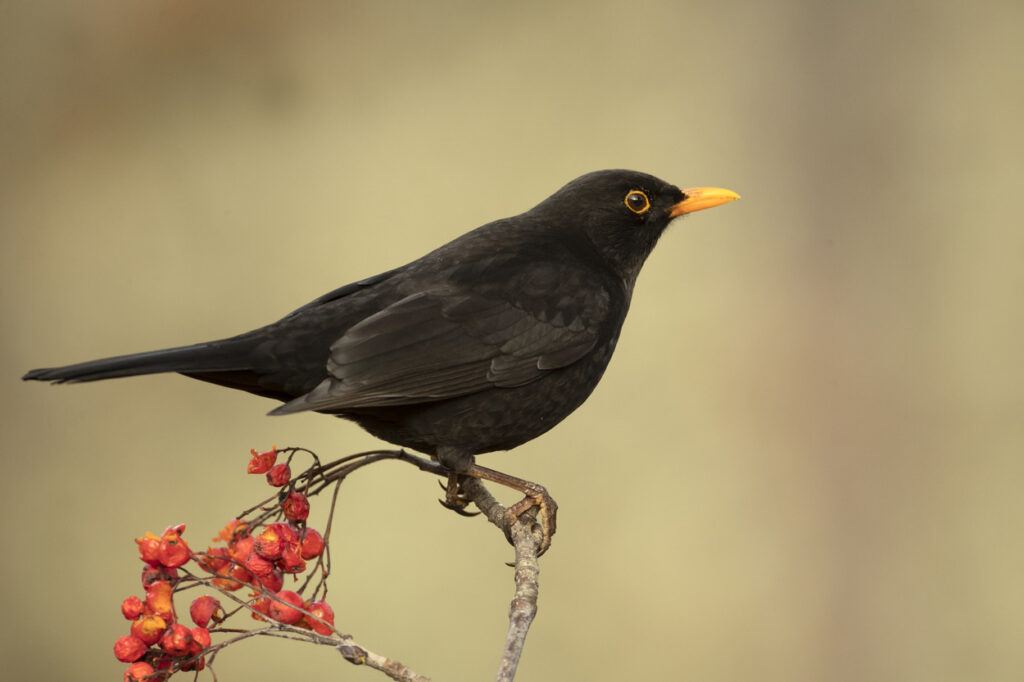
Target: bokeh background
x=805, y=461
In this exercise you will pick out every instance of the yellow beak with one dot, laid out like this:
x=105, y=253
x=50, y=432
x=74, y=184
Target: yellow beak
x=699, y=198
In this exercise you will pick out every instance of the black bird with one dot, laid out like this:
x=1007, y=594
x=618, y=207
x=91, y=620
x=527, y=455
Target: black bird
x=480, y=345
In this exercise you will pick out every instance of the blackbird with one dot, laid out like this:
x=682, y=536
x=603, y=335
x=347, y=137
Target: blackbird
x=482, y=344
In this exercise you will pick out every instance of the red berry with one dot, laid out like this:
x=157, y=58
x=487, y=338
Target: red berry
x=240, y=574
x=268, y=543
x=149, y=548
x=258, y=566
x=131, y=607
x=279, y=475
x=129, y=648
x=295, y=506
x=137, y=671
x=262, y=461
x=260, y=608
x=323, y=611
x=226, y=584
x=291, y=562
x=177, y=640
x=173, y=551
x=289, y=533
x=214, y=559
x=272, y=582
x=241, y=548
x=312, y=544
x=203, y=609
x=282, y=609
x=177, y=530
x=201, y=636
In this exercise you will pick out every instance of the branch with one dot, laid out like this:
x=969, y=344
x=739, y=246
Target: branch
x=526, y=539
x=353, y=653
x=524, y=535
x=527, y=528
x=347, y=646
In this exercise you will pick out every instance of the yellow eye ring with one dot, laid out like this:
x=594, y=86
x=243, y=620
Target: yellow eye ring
x=637, y=202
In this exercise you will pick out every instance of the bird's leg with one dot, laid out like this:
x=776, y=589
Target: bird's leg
x=461, y=464
x=536, y=495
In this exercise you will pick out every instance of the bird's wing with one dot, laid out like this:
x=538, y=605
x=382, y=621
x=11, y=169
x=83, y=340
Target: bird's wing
x=453, y=341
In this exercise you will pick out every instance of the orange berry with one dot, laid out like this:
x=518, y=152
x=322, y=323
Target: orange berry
x=149, y=627
x=149, y=548
x=159, y=599
x=229, y=532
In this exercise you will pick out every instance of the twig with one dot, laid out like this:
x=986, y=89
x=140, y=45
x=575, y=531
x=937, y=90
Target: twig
x=523, y=533
x=527, y=542
x=349, y=648
x=353, y=653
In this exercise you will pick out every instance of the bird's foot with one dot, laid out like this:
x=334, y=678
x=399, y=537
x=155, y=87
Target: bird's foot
x=547, y=510
x=455, y=498
x=536, y=495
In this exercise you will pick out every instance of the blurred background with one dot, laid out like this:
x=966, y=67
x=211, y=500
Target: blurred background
x=804, y=462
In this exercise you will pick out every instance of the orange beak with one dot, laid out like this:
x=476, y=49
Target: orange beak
x=699, y=198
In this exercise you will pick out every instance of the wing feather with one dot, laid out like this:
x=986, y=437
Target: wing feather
x=451, y=342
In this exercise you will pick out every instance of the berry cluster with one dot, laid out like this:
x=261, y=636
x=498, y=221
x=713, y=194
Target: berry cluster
x=157, y=641
x=257, y=553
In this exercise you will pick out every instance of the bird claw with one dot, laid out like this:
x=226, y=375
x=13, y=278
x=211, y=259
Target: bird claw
x=458, y=508
x=547, y=511
x=535, y=496
x=454, y=498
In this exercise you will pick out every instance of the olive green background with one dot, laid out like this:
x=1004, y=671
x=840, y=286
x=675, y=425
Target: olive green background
x=805, y=461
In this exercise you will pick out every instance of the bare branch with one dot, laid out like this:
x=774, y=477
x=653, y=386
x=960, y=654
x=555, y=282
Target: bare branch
x=527, y=539
x=528, y=529
x=353, y=653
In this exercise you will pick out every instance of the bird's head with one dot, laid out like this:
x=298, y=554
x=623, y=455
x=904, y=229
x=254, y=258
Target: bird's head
x=623, y=212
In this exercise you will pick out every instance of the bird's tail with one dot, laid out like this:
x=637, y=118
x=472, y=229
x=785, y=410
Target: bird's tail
x=202, y=357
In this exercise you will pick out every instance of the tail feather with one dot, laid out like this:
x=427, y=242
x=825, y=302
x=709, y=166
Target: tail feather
x=216, y=356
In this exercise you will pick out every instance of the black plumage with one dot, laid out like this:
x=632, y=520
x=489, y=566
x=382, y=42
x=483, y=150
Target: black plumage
x=480, y=345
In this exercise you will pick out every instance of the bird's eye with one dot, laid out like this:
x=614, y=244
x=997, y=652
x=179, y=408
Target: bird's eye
x=637, y=202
